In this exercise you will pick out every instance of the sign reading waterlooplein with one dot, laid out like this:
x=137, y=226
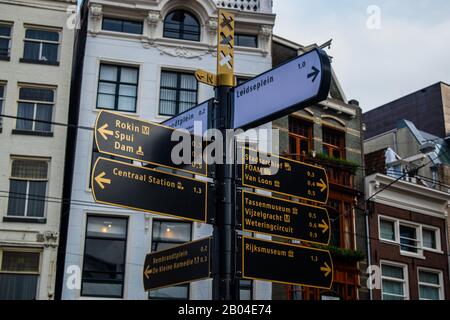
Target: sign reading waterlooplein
x=290, y=87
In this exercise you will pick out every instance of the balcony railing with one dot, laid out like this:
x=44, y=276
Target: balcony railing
x=244, y=5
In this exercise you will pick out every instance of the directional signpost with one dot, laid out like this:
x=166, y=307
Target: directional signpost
x=293, y=178
x=206, y=77
x=283, y=218
x=149, y=190
x=288, y=88
x=202, y=114
x=142, y=141
x=285, y=263
x=179, y=265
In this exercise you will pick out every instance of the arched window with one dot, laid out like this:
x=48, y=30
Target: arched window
x=180, y=24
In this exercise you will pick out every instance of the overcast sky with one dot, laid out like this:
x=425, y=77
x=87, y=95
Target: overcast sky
x=410, y=51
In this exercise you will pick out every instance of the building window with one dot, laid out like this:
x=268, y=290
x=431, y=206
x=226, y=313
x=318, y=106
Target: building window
x=178, y=93
x=117, y=88
x=430, y=239
x=28, y=188
x=41, y=46
x=2, y=98
x=333, y=143
x=168, y=234
x=35, y=104
x=104, y=257
x=300, y=137
x=387, y=230
x=5, y=40
x=180, y=24
x=246, y=40
x=19, y=275
x=393, y=281
x=246, y=290
x=408, y=239
x=125, y=26
x=430, y=285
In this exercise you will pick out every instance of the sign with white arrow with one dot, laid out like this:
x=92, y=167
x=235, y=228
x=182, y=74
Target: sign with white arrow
x=285, y=263
x=297, y=84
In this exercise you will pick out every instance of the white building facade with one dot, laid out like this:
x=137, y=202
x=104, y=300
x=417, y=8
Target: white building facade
x=36, y=49
x=140, y=60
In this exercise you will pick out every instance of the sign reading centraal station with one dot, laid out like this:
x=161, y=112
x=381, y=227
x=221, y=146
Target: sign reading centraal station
x=149, y=190
x=143, y=141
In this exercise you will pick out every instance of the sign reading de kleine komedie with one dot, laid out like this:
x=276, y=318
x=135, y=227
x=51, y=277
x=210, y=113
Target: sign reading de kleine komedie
x=286, y=219
x=121, y=184
x=147, y=142
x=283, y=90
x=284, y=176
x=179, y=265
x=285, y=263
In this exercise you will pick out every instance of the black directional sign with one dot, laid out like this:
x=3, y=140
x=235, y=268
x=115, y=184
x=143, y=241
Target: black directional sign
x=282, y=218
x=147, y=142
x=283, y=176
x=285, y=263
x=179, y=265
x=297, y=84
x=149, y=190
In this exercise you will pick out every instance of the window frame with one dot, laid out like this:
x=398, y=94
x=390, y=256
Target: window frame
x=419, y=230
x=11, y=26
x=187, y=285
x=118, y=83
x=35, y=106
x=238, y=35
x=300, y=138
x=181, y=30
x=41, y=42
x=250, y=287
x=440, y=286
x=27, y=195
x=2, y=103
x=105, y=216
x=122, y=21
x=331, y=147
x=178, y=90
x=405, y=280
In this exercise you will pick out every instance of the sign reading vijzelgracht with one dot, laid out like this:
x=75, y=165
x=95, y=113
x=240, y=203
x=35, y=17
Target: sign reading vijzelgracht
x=283, y=218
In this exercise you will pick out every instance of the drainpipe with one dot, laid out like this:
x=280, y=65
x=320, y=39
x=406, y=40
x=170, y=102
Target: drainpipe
x=369, y=253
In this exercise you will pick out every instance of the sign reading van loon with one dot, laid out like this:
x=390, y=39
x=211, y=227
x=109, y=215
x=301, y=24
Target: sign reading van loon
x=143, y=141
x=283, y=90
x=123, y=185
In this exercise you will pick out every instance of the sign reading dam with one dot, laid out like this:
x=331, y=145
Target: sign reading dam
x=149, y=190
x=286, y=219
x=147, y=142
x=179, y=265
x=285, y=263
x=284, y=176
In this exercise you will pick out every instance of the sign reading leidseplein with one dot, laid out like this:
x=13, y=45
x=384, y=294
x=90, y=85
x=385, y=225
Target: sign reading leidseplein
x=183, y=264
x=286, y=263
x=291, y=178
x=286, y=219
x=147, y=142
x=149, y=190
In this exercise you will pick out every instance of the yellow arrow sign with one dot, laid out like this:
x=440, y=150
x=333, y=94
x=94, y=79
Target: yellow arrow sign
x=104, y=132
x=100, y=179
x=324, y=226
x=206, y=77
x=147, y=272
x=322, y=185
x=326, y=268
